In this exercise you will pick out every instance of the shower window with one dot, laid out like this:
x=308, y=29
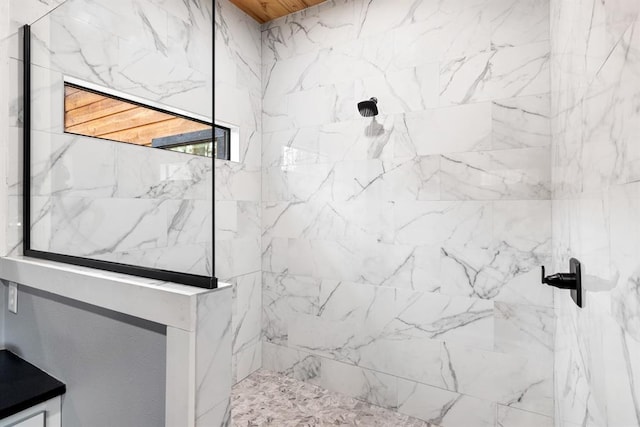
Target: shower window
x=91, y=112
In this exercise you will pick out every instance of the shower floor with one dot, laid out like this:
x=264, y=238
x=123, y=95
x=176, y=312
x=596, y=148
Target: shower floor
x=269, y=399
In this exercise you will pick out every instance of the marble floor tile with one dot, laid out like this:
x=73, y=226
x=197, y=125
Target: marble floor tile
x=270, y=399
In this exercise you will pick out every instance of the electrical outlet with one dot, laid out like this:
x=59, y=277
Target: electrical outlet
x=13, y=297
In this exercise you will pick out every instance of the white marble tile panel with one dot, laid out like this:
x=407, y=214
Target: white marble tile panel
x=296, y=146
x=517, y=22
x=247, y=324
x=14, y=92
x=438, y=131
x=417, y=359
x=275, y=254
x=304, y=32
x=521, y=122
x=359, y=139
x=26, y=13
x=213, y=354
x=358, y=220
x=161, y=174
x=290, y=362
x=309, y=69
x=247, y=361
x=525, y=330
x=516, y=381
x=411, y=89
x=284, y=299
x=275, y=113
x=226, y=219
x=237, y=257
x=332, y=339
x=416, y=178
x=47, y=91
x=193, y=258
x=467, y=321
x=370, y=386
x=442, y=407
x=374, y=310
x=510, y=417
x=59, y=166
x=459, y=31
x=96, y=226
x=235, y=181
x=496, y=74
x=494, y=175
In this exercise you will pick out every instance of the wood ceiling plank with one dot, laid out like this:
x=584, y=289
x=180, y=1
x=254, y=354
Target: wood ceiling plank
x=132, y=118
x=97, y=110
x=143, y=135
x=79, y=98
x=267, y=10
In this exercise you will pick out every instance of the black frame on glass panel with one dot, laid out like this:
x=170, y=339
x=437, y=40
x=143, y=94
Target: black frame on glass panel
x=152, y=273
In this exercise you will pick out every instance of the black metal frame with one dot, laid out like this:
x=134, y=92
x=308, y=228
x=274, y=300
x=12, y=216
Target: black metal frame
x=182, y=139
x=227, y=142
x=152, y=273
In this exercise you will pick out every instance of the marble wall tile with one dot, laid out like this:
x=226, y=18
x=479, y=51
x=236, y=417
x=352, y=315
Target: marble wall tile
x=213, y=357
x=285, y=297
x=524, y=330
x=442, y=407
x=514, y=71
x=594, y=216
x=296, y=364
x=246, y=323
x=237, y=192
x=370, y=386
x=438, y=131
x=510, y=417
x=501, y=174
x=521, y=122
x=518, y=22
x=404, y=245
x=467, y=321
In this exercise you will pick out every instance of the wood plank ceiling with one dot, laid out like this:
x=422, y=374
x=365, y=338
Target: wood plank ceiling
x=92, y=114
x=266, y=10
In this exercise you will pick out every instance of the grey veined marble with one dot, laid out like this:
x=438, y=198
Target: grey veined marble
x=271, y=399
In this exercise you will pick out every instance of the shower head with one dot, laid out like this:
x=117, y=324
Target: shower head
x=368, y=108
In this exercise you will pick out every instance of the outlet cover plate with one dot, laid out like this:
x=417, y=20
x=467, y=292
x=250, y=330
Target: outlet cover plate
x=12, y=300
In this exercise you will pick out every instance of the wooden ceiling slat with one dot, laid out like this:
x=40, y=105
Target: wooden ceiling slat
x=80, y=98
x=266, y=10
x=97, y=110
x=124, y=120
x=143, y=135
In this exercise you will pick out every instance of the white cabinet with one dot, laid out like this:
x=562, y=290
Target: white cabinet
x=36, y=420
x=45, y=414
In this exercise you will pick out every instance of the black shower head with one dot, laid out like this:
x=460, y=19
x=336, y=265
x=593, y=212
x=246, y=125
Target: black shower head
x=368, y=108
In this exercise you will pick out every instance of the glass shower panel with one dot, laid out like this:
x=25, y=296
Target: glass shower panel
x=100, y=199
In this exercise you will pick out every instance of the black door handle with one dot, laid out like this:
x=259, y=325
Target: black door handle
x=560, y=280
x=571, y=281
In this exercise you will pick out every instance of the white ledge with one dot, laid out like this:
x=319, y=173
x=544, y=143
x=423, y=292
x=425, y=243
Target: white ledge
x=166, y=303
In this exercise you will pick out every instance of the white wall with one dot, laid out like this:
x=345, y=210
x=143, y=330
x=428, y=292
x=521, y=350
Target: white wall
x=596, y=209
x=113, y=365
x=401, y=256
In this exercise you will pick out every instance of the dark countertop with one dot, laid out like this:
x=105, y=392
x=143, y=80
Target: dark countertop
x=22, y=385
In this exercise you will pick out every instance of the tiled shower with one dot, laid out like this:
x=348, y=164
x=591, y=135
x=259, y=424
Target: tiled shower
x=397, y=259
